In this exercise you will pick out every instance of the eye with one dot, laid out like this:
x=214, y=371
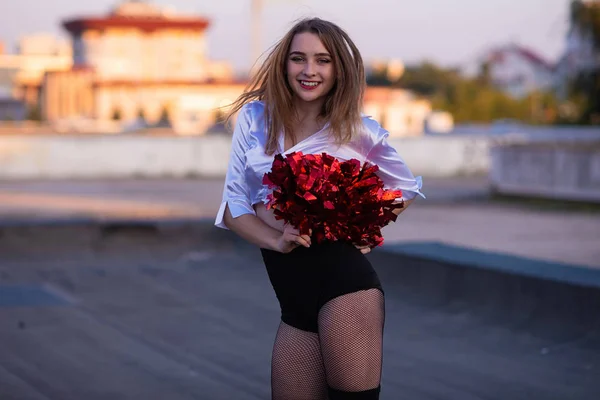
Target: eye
x=297, y=59
x=324, y=61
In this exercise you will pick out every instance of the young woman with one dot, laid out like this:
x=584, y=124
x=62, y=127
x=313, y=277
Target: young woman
x=307, y=97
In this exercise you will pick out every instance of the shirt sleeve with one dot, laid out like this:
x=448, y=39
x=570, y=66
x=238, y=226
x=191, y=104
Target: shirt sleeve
x=394, y=173
x=236, y=193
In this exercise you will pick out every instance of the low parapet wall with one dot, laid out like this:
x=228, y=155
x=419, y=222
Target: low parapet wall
x=557, y=170
x=554, y=300
x=130, y=155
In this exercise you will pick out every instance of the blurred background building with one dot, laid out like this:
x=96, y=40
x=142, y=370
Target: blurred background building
x=145, y=69
x=22, y=73
x=518, y=71
x=142, y=65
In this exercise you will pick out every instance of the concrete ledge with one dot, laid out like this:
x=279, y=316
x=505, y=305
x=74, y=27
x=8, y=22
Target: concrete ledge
x=130, y=155
x=555, y=170
x=98, y=223
x=186, y=311
x=29, y=295
x=500, y=263
x=552, y=300
x=435, y=252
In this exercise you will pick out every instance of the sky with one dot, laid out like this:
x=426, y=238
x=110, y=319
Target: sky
x=448, y=32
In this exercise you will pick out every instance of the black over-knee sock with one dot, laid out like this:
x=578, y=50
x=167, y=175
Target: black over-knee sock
x=372, y=394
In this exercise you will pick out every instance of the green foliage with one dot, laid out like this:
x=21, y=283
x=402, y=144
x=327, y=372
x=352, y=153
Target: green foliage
x=586, y=17
x=584, y=94
x=584, y=90
x=470, y=100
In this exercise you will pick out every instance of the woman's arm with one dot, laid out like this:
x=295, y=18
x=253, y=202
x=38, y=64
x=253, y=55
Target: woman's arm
x=236, y=211
x=407, y=203
x=392, y=170
x=254, y=230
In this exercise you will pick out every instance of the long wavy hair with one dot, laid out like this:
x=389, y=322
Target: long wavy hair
x=342, y=106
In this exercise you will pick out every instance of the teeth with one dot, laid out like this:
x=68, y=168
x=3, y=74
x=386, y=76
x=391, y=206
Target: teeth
x=305, y=83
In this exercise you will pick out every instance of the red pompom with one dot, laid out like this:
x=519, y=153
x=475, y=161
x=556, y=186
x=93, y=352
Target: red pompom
x=336, y=200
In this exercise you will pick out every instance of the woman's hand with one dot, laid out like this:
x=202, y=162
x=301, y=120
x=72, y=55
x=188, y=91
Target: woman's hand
x=290, y=239
x=363, y=249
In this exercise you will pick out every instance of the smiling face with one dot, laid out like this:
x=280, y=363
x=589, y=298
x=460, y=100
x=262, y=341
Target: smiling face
x=310, y=71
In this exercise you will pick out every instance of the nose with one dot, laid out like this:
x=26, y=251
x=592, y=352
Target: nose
x=309, y=69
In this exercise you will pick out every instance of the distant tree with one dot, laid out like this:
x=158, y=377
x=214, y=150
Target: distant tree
x=485, y=76
x=585, y=17
x=470, y=99
x=473, y=99
x=427, y=79
x=378, y=78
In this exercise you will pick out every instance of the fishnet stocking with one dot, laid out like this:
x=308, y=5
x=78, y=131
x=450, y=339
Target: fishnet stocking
x=297, y=371
x=351, y=337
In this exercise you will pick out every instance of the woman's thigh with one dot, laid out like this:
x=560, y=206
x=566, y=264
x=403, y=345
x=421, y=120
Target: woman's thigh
x=351, y=339
x=297, y=371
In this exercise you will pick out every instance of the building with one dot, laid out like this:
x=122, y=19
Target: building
x=518, y=71
x=140, y=61
x=11, y=109
x=398, y=110
x=22, y=73
x=143, y=62
x=392, y=69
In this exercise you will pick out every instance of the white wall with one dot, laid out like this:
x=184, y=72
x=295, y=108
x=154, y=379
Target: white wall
x=569, y=171
x=443, y=156
x=123, y=156
x=132, y=55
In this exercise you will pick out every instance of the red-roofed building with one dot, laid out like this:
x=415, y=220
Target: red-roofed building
x=518, y=70
x=140, y=59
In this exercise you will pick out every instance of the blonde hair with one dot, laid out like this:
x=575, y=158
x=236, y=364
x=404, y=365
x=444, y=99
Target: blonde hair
x=342, y=106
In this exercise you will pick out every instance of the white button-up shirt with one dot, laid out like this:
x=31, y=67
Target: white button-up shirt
x=248, y=161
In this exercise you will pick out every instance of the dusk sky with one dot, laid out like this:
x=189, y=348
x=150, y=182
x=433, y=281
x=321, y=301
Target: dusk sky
x=444, y=31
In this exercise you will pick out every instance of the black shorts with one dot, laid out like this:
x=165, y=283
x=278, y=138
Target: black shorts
x=307, y=278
